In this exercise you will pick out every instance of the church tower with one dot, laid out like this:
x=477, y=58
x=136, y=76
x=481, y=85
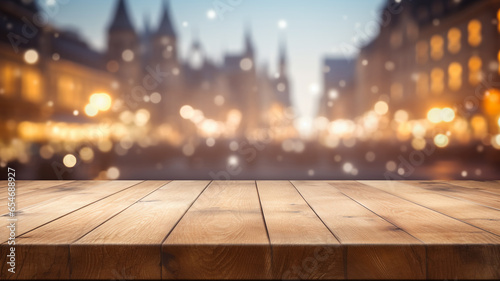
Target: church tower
x=164, y=41
x=249, y=92
x=282, y=81
x=164, y=57
x=249, y=49
x=123, y=56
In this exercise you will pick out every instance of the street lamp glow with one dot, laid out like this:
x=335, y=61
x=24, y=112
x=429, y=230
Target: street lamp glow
x=91, y=110
x=186, y=112
x=142, y=117
x=381, y=108
x=69, y=160
x=31, y=56
x=401, y=116
x=434, y=115
x=441, y=140
x=447, y=114
x=101, y=101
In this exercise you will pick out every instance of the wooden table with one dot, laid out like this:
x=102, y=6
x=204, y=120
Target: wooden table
x=125, y=230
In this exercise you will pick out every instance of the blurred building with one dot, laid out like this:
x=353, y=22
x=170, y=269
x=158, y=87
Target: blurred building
x=50, y=74
x=439, y=53
x=45, y=72
x=338, y=89
x=211, y=95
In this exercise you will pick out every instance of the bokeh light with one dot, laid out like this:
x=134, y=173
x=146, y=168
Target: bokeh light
x=69, y=160
x=441, y=140
x=101, y=101
x=91, y=110
x=31, y=56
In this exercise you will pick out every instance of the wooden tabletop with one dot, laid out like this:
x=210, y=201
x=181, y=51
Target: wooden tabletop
x=132, y=230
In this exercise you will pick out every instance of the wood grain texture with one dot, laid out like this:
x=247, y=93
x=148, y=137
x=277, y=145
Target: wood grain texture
x=129, y=244
x=480, y=216
x=464, y=262
x=60, y=233
x=29, y=187
x=463, y=193
x=222, y=236
x=4, y=184
x=51, y=191
x=375, y=248
x=302, y=246
x=428, y=226
x=366, y=230
x=488, y=186
x=40, y=214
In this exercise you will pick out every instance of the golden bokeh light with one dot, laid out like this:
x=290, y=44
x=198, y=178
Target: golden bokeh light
x=492, y=102
x=113, y=173
x=418, y=143
x=454, y=36
x=91, y=110
x=498, y=20
x=401, y=116
x=31, y=56
x=437, y=80
x=437, y=44
x=475, y=74
x=455, y=76
x=86, y=154
x=447, y=114
x=434, y=115
x=187, y=112
x=142, y=117
x=441, y=140
x=101, y=101
x=381, y=108
x=474, y=29
x=69, y=160
x=495, y=141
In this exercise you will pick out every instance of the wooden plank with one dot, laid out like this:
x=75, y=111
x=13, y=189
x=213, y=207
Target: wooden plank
x=487, y=186
x=463, y=193
x=480, y=216
x=85, y=193
x=50, y=191
x=28, y=187
x=376, y=249
x=52, y=240
x=433, y=229
x=222, y=236
x=4, y=183
x=129, y=244
x=302, y=246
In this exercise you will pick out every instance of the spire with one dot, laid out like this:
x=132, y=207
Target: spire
x=166, y=27
x=282, y=58
x=196, y=39
x=147, y=26
x=121, y=20
x=283, y=53
x=248, y=41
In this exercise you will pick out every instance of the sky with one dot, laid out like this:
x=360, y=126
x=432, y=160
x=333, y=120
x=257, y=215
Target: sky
x=312, y=30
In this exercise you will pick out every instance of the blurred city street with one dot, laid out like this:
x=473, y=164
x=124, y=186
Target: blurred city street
x=251, y=90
